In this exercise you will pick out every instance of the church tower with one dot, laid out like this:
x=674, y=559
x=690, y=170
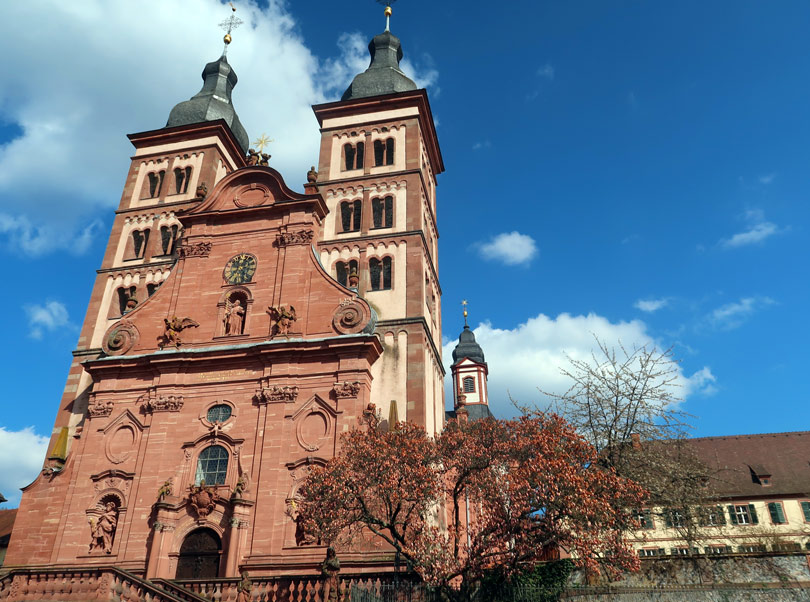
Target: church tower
x=377, y=172
x=469, y=373
x=235, y=329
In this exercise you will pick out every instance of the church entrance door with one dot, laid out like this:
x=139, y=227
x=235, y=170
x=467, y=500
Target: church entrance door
x=199, y=555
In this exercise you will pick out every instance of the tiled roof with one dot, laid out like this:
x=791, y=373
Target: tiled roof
x=737, y=460
x=7, y=522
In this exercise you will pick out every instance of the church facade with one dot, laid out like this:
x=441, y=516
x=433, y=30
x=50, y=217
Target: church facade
x=236, y=328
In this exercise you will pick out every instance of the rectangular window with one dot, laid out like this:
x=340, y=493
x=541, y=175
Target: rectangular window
x=777, y=513
x=718, y=550
x=674, y=518
x=382, y=212
x=348, y=156
x=679, y=552
x=379, y=153
x=786, y=547
x=712, y=516
x=751, y=548
x=644, y=516
x=743, y=514
x=651, y=552
x=806, y=511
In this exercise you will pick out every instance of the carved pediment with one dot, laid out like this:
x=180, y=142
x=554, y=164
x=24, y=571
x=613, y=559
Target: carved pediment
x=315, y=424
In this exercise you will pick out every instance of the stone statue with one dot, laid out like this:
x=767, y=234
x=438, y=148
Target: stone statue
x=330, y=569
x=234, y=318
x=283, y=318
x=202, y=191
x=244, y=588
x=312, y=175
x=354, y=279
x=102, y=530
x=173, y=328
x=241, y=486
x=257, y=158
x=165, y=490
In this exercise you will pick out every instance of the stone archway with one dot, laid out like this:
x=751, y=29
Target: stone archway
x=199, y=555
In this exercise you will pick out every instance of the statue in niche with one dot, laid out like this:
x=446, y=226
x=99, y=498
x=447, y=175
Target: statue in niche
x=234, y=318
x=165, y=490
x=283, y=317
x=244, y=588
x=173, y=328
x=330, y=569
x=102, y=529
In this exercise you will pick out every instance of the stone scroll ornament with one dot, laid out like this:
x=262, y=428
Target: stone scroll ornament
x=120, y=338
x=302, y=237
x=197, y=249
x=351, y=317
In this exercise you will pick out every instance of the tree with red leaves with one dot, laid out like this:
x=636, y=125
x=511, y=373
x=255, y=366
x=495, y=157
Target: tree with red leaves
x=482, y=497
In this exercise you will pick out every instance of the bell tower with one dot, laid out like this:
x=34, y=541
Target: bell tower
x=377, y=171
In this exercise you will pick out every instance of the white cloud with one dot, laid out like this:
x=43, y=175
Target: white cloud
x=701, y=382
x=50, y=316
x=512, y=248
x=21, y=456
x=758, y=230
x=732, y=315
x=530, y=355
x=75, y=103
x=546, y=71
x=650, y=305
x=481, y=144
x=767, y=178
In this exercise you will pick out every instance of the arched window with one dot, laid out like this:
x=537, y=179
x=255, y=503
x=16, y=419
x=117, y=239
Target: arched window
x=212, y=466
x=168, y=236
x=384, y=152
x=469, y=384
x=382, y=212
x=344, y=269
x=181, y=179
x=155, y=182
x=140, y=238
x=219, y=413
x=379, y=272
x=353, y=156
x=127, y=299
x=350, y=215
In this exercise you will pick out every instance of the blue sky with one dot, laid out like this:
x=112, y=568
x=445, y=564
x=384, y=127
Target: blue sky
x=636, y=170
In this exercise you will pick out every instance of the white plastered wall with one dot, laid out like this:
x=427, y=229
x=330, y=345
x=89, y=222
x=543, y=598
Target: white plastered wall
x=390, y=375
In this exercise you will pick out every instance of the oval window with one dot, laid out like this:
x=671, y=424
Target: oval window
x=219, y=413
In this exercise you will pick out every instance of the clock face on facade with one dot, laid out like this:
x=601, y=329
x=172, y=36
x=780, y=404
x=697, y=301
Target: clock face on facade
x=240, y=269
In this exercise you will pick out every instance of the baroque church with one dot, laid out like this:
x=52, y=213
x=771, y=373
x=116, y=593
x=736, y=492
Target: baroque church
x=236, y=328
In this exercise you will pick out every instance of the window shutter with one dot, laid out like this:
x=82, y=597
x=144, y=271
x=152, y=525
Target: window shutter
x=668, y=519
x=806, y=510
x=772, y=510
x=753, y=511
x=732, y=515
x=721, y=516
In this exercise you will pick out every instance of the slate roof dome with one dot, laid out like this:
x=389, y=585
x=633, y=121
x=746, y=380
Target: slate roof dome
x=383, y=75
x=212, y=102
x=467, y=347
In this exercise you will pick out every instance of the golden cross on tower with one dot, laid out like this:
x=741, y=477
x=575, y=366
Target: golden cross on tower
x=464, y=304
x=229, y=25
x=262, y=142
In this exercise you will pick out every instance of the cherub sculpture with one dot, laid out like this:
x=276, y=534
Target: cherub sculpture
x=173, y=328
x=283, y=317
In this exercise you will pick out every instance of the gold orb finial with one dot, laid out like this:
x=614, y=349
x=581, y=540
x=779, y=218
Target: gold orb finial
x=388, y=11
x=227, y=39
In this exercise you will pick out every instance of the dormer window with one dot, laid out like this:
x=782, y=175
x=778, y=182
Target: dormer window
x=384, y=152
x=353, y=156
x=760, y=474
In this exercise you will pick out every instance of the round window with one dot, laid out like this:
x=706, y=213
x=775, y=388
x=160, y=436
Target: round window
x=219, y=413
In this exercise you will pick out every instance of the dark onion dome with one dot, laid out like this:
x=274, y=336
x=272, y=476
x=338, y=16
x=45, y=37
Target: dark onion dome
x=383, y=75
x=467, y=347
x=212, y=102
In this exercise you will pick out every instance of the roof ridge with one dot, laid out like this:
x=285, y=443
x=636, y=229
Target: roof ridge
x=749, y=435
